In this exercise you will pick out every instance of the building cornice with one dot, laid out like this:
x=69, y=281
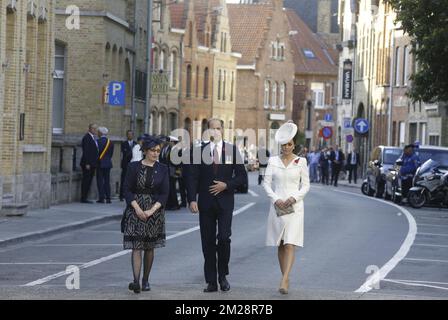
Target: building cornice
x=91, y=13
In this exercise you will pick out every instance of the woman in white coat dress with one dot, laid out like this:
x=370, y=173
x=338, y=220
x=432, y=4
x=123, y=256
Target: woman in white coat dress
x=286, y=182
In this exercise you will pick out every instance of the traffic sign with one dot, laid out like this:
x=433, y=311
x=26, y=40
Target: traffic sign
x=349, y=138
x=361, y=126
x=328, y=117
x=117, y=93
x=347, y=123
x=327, y=133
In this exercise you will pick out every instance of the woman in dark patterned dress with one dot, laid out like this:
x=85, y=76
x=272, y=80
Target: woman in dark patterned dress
x=146, y=191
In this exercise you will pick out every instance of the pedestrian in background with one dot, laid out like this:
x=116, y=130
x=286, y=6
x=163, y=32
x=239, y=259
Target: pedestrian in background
x=286, y=183
x=353, y=163
x=137, y=153
x=126, y=157
x=89, y=161
x=106, y=152
x=143, y=223
x=337, y=158
x=324, y=166
x=263, y=159
x=314, y=158
x=411, y=162
x=165, y=158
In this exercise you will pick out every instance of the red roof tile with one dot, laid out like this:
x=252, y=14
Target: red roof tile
x=248, y=25
x=305, y=41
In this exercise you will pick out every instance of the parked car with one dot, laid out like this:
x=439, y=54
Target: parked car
x=425, y=153
x=382, y=159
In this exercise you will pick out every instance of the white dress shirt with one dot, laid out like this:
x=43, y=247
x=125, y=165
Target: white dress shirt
x=212, y=148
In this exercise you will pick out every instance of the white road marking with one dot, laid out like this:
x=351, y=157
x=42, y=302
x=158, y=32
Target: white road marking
x=430, y=245
x=253, y=193
x=120, y=254
x=40, y=263
x=426, y=260
x=79, y=245
x=401, y=253
x=433, y=234
x=413, y=284
x=432, y=225
x=417, y=281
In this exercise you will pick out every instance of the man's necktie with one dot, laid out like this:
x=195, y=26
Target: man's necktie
x=215, y=160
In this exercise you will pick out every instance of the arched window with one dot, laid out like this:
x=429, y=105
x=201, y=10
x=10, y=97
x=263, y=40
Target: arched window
x=232, y=86
x=283, y=95
x=197, y=81
x=189, y=79
x=206, y=83
x=190, y=34
x=219, y=84
x=224, y=86
x=163, y=60
x=274, y=95
x=267, y=91
x=156, y=56
x=173, y=69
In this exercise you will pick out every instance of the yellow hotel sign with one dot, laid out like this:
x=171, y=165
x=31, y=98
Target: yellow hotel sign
x=159, y=83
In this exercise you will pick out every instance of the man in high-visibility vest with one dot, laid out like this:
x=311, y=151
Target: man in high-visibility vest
x=106, y=152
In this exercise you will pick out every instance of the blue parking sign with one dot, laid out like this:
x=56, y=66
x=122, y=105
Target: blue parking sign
x=117, y=93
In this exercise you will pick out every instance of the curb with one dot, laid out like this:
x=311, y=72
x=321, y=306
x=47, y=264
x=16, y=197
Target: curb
x=57, y=230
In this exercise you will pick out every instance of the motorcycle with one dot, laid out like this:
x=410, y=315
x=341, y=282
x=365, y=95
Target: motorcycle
x=430, y=185
x=364, y=187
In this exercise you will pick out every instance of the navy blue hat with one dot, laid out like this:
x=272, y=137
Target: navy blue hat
x=150, y=142
x=142, y=137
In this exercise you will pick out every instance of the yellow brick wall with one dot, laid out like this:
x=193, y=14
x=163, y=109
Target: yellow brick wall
x=26, y=45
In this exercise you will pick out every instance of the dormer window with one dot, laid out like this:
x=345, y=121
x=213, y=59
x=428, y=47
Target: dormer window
x=309, y=53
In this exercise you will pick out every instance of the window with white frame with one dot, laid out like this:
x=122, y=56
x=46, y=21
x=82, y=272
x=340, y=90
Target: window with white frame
x=58, y=89
x=405, y=65
x=267, y=91
x=397, y=66
x=319, y=98
x=274, y=94
x=219, y=84
x=434, y=140
x=162, y=60
x=283, y=95
x=173, y=69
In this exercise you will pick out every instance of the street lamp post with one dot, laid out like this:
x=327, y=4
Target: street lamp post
x=148, y=69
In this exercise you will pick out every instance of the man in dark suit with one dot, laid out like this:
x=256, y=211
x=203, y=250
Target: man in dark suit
x=353, y=162
x=89, y=161
x=337, y=159
x=126, y=157
x=106, y=152
x=215, y=177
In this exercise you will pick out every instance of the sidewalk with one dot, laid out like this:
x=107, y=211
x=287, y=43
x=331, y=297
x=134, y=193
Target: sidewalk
x=344, y=183
x=58, y=219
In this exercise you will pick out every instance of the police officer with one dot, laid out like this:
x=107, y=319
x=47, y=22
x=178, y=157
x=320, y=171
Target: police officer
x=411, y=162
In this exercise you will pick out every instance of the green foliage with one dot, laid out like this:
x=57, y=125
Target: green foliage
x=426, y=21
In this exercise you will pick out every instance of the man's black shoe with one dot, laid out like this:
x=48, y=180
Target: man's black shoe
x=101, y=201
x=108, y=201
x=211, y=287
x=86, y=201
x=224, y=284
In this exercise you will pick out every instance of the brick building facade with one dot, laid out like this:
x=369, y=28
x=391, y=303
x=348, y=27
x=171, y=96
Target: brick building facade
x=111, y=38
x=26, y=48
x=265, y=73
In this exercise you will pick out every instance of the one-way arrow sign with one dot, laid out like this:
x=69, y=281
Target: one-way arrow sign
x=361, y=126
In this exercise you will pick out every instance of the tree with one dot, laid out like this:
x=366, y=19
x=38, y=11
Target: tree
x=426, y=22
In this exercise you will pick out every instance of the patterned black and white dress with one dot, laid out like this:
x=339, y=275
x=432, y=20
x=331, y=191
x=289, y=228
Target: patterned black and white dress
x=144, y=235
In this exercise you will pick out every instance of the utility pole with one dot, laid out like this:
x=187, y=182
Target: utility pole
x=148, y=69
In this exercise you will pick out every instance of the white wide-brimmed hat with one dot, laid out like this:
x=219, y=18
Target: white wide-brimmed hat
x=286, y=133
